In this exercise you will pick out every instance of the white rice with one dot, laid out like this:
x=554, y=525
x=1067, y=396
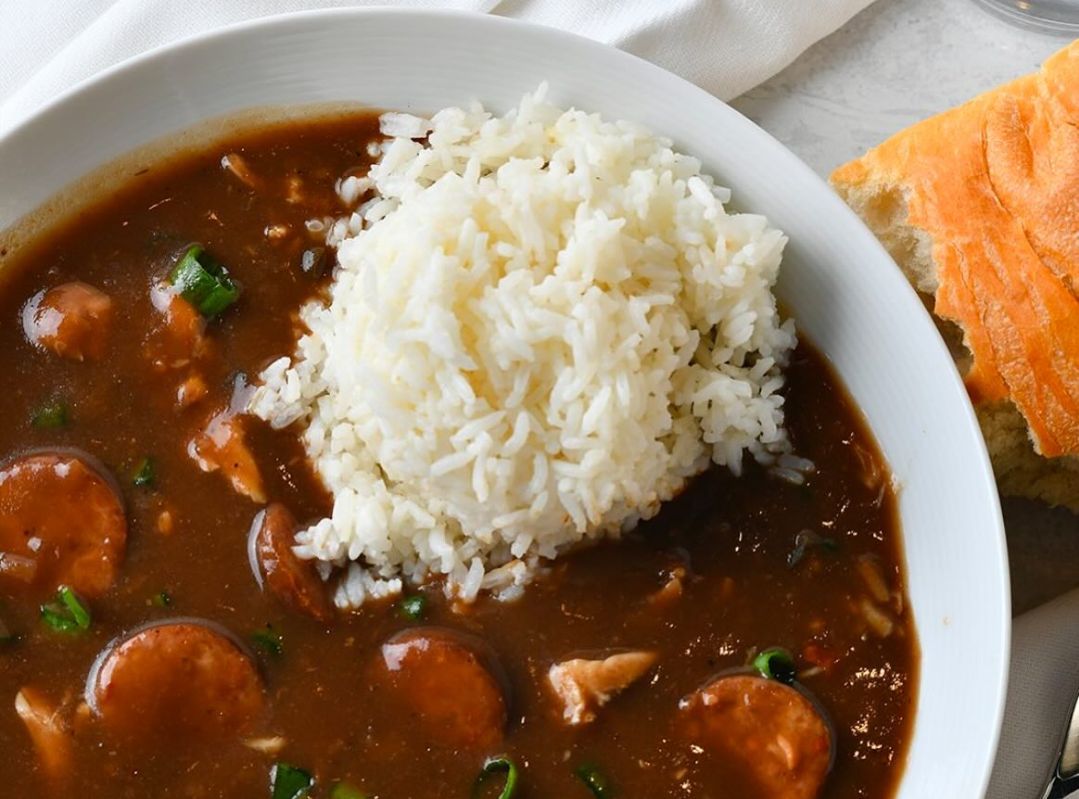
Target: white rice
x=539, y=328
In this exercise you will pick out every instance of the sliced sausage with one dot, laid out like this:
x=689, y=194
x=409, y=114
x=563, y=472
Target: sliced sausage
x=586, y=684
x=448, y=683
x=277, y=568
x=221, y=445
x=179, y=681
x=773, y=731
x=48, y=731
x=72, y=320
x=61, y=523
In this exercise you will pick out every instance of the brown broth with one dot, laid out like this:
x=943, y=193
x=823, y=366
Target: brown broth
x=735, y=534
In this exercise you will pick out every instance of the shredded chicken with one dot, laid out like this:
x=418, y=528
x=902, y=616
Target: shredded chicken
x=192, y=390
x=671, y=591
x=879, y=621
x=869, y=569
x=166, y=524
x=221, y=446
x=269, y=745
x=47, y=729
x=235, y=163
x=276, y=232
x=181, y=338
x=294, y=194
x=586, y=685
x=18, y=567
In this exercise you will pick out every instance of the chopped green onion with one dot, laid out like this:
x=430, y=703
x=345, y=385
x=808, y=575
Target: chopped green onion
x=66, y=613
x=594, y=780
x=413, y=607
x=6, y=635
x=51, y=416
x=161, y=599
x=807, y=540
x=144, y=474
x=343, y=790
x=498, y=765
x=290, y=782
x=776, y=664
x=59, y=618
x=204, y=282
x=268, y=641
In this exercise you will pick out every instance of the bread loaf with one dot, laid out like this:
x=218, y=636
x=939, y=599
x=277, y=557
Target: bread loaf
x=980, y=208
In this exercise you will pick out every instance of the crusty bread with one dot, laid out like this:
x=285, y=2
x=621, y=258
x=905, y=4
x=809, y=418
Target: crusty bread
x=980, y=208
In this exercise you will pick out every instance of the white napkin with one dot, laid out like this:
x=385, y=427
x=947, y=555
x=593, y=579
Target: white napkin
x=1042, y=688
x=725, y=46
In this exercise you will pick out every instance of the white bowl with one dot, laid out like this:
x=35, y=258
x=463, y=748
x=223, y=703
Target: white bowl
x=843, y=289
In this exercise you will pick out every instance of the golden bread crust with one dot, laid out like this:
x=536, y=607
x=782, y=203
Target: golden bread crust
x=995, y=185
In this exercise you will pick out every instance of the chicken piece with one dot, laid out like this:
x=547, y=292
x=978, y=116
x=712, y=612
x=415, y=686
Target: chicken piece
x=586, y=684
x=671, y=591
x=72, y=320
x=221, y=445
x=238, y=166
x=48, y=731
x=191, y=391
x=180, y=339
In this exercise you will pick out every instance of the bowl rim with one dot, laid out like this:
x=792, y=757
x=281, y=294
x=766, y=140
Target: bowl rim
x=995, y=539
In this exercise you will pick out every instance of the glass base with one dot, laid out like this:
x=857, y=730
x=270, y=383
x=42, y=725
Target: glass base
x=1051, y=16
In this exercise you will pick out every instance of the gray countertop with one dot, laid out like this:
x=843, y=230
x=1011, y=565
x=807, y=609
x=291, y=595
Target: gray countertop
x=895, y=63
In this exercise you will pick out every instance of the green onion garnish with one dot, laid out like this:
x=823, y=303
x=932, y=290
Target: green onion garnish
x=51, y=416
x=594, y=780
x=204, y=282
x=66, y=613
x=144, y=474
x=162, y=599
x=776, y=664
x=807, y=540
x=290, y=782
x=498, y=765
x=413, y=607
x=268, y=641
x=343, y=790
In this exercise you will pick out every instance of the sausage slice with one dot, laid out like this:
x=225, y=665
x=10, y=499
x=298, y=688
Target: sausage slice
x=772, y=730
x=448, y=683
x=61, y=523
x=277, y=568
x=72, y=320
x=181, y=681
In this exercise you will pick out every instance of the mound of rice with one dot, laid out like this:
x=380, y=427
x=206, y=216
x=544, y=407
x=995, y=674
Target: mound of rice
x=539, y=328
